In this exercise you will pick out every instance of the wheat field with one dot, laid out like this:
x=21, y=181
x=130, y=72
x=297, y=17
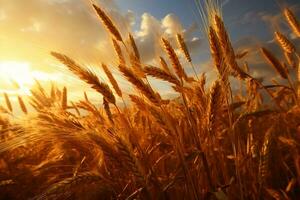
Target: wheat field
x=209, y=142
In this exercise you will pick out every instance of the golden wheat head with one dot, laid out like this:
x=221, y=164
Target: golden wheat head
x=274, y=62
x=87, y=76
x=285, y=44
x=108, y=23
x=183, y=47
x=292, y=20
x=174, y=59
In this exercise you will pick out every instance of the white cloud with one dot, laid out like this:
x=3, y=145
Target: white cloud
x=171, y=24
x=151, y=31
x=149, y=26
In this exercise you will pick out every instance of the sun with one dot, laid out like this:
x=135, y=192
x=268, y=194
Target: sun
x=18, y=73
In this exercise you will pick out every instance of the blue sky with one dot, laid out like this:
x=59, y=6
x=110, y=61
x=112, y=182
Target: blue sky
x=233, y=10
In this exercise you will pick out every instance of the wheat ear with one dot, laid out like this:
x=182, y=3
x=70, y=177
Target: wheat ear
x=107, y=110
x=22, y=105
x=174, y=59
x=185, y=51
x=215, y=50
x=130, y=159
x=135, y=58
x=285, y=44
x=7, y=101
x=108, y=23
x=292, y=20
x=134, y=47
x=139, y=84
x=112, y=80
x=183, y=47
x=64, y=100
x=86, y=75
x=214, y=106
x=164, y=65
x=265, y=154
x=161, y=74
x=227, y=49
x=118, y=51
x=274, y=62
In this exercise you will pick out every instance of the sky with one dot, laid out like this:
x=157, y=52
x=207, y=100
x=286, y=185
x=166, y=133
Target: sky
x=30, y=29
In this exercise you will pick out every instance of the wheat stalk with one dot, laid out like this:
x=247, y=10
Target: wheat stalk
x=139, y=84
x=91, y=108
x=22, y=105
x=183, y=47
x=131, y=161
x=290, y=59
x=164, y=65
x=75, y=108
x=161, y=74
x=107, y=110
x=215, y=50
x=227, y=49
x=137, y=66
x=135, y=58
x=143, y=106
x=108, y=148
x=139, y=102
x=118, y=51
x=274, y=62
x=86, y=75
x=108, y=23
x=285, y=44
x=174, y=60
x=53, y=91
x=64, y=100
x=292, y=20
x=242, y=54
x=7, y=101
x=265, y=155
x=134, y=47
x=214, y=107
x=65, y=187
x=86, y=98
x=112, y=80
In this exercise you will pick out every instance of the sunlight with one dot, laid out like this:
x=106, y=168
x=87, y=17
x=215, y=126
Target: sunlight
x=18, y=73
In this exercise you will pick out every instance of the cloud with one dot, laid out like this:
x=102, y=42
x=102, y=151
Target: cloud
x=171, y=24
x=72, y=27
x=152, y=30
x=31, y=29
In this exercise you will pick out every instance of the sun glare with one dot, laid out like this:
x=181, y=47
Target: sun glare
x=18, y=73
